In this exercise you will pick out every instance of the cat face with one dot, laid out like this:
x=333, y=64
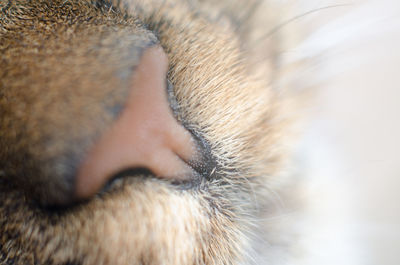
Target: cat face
x=66, y=76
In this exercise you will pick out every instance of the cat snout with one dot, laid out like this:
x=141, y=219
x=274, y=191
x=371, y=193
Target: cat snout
x=145, y=135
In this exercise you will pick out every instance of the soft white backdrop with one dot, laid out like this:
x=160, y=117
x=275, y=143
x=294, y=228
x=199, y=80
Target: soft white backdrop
x=351, y=147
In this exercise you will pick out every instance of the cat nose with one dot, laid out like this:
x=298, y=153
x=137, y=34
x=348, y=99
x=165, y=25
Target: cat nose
x=145, y=135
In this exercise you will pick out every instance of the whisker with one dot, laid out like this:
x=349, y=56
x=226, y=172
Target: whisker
x=285, y=23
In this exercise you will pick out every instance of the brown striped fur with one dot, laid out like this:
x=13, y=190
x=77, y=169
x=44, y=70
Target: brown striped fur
x=59, y=57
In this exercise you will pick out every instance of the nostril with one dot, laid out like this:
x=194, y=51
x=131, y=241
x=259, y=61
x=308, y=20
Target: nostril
x=145, y=135
x=128, y=172
x=204, y=163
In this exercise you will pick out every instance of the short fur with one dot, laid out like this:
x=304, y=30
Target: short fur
x=59, y=57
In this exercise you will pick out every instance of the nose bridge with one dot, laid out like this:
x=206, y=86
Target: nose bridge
x=144, y=135
x=69, y=84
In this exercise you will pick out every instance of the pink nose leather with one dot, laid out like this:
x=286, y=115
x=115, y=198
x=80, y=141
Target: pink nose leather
x=145, y=134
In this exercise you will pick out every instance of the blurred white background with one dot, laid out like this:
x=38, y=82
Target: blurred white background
x=351, y=149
